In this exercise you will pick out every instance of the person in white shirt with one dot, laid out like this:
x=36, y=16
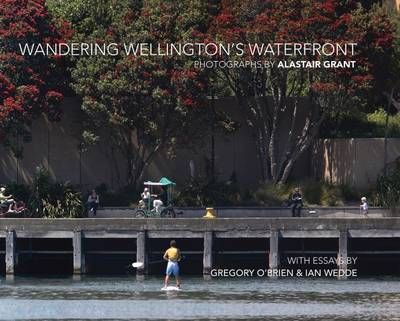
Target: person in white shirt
x=146, y=196
x=7, y=200
x=364, y=206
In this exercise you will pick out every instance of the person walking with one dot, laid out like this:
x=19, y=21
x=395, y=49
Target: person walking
x=364, y=206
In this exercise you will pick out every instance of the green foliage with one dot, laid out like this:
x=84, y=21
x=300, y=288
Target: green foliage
x=39, y=190
x=143, y=105
x=321, y=193
x=326, y=89
x=45, y=198
x=378, y=119
x=20, y=192
x=314, y=193
x=357, y=124
x=88, y=16
x=388, y=189
x=191, y=194
x=351, y=194
x=66, y=203
x=127, y=196
x=272, y=195
x=200, y=192
x=203, y=193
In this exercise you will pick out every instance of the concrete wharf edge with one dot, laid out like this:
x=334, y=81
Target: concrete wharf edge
x=189, y=227
x=268, y=228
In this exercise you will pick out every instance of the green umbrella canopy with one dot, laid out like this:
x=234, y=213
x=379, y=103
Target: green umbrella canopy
x=165, y=182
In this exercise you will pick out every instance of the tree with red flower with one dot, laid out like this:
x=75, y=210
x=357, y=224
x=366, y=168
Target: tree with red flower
x=286, y=106
x=29, y=85
x=143, y=105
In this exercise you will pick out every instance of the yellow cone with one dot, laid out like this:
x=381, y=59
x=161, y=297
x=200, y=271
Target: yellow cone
x=210, y=213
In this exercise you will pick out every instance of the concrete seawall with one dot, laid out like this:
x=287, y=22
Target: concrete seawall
x=264, y=212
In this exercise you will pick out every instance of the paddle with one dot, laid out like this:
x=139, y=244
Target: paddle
x=140, y=264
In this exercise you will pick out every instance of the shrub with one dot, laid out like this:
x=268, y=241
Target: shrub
x=191, y=194
x=52, y=199
x=358, y=124
x=317, y=193
x=20, y=192
x=209, y=193
x=322, y=193
x=377, y=119
x=126, y=196
x=39, y=191
x=331, y=195
x=388, y=189
x=201, y=193
x=68, y=204
x=350, y=193
x=273, y=195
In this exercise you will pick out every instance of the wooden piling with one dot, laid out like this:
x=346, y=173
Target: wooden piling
x=340, y=229
x=274, y=250
x=207, y=253
x=141, y=254
x=11, y=252
x=79, y=254
x=342, y=254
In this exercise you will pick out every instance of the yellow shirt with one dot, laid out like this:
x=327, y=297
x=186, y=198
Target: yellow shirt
x=172, y=254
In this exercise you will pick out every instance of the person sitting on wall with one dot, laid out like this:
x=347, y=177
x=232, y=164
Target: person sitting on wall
x=364, y=206
x=93, y=202
x=296, y=202
x=157, y=204
x=5, y=200
x=146, y=198
x=160, y=200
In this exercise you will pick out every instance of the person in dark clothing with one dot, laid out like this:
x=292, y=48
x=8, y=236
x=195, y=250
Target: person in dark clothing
x=164, y=196
x=93, y=202
x=296, y=202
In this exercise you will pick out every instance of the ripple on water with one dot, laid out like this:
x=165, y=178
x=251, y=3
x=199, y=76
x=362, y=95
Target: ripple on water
x=245, y=299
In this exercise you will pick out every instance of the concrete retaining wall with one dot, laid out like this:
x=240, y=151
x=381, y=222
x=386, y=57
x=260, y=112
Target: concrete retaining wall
x=232, y=212
x=55, y=145
x=355, y=161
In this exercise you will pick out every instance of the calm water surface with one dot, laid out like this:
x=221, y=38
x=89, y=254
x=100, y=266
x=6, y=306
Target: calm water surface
x=219, y=299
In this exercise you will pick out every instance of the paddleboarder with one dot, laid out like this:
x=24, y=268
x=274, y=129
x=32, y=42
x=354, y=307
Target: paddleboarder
x=173, y=256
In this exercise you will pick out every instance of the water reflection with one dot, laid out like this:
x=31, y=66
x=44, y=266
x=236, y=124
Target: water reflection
x=244, y=299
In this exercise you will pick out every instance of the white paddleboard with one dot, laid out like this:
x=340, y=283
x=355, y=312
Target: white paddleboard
x=137, y=264
x=171, y=288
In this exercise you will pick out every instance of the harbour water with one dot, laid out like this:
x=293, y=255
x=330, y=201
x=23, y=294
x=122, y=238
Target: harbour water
x=125, y=298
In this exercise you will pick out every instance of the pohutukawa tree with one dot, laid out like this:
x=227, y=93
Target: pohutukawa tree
x=29, y=85
x=147, y=104
x=285, y=107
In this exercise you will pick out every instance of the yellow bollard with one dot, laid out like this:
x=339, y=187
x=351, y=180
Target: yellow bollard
x=210, y=213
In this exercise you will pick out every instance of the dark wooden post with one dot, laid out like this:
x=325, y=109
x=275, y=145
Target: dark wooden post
x=11, y=252
x=207, y=253
x=79, y=255
x=274, y=250
x=141, y=254
x=342, y=255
